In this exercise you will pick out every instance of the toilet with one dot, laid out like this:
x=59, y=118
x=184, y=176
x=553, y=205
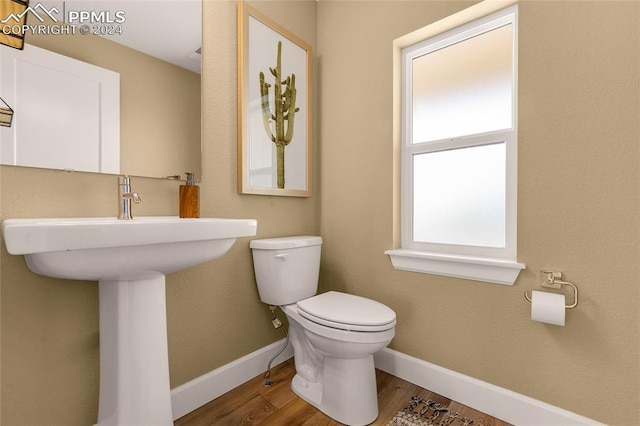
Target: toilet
x=334, y=335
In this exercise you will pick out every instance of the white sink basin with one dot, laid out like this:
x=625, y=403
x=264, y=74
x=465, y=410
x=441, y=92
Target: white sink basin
x=107, y=248
x=129, y=258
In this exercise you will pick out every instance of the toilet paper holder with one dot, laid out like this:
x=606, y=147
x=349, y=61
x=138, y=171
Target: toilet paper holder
x=552, y=279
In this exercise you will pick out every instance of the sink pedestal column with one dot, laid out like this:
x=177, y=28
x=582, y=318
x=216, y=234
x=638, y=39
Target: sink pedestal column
x=134, y=360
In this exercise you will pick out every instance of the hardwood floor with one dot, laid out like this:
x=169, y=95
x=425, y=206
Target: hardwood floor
x=277, y=405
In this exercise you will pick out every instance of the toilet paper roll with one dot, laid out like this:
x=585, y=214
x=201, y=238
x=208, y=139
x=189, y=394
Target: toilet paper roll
x=547, y=307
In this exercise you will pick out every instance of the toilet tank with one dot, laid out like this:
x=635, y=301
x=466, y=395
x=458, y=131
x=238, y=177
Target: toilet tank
x=286, y=268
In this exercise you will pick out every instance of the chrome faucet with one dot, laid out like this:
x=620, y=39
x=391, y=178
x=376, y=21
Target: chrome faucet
x=125, y=197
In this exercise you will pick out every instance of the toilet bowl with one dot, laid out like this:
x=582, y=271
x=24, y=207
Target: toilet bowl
x=334, y=366
x=334, y=335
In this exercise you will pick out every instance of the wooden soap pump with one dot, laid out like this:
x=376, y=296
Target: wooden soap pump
x=189, y=198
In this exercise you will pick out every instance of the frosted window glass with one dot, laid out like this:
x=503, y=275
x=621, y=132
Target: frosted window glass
x=465, y=88
x=459, y=196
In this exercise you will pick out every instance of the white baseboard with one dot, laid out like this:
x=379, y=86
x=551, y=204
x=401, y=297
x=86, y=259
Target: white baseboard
x=498, y=402
x=199, y=391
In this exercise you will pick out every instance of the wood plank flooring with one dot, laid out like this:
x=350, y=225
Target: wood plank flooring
x=254, y=404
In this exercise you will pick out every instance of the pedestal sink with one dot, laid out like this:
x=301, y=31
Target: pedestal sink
x=129, y=259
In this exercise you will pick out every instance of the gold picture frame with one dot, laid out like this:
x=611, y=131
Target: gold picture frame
x=274, y=108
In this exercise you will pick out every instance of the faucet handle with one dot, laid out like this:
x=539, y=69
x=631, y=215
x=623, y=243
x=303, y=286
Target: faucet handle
x=125, y=197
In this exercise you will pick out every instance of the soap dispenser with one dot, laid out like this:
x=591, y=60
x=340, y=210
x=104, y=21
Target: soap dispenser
x=189, y=198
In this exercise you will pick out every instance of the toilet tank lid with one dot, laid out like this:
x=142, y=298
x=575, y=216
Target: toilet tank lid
x=285, y=242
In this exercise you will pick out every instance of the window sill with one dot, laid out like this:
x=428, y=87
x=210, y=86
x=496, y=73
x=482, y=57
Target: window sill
x=498, y=271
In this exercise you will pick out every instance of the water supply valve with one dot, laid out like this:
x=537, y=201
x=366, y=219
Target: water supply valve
x=276, y=323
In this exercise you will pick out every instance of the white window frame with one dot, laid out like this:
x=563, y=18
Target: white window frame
x=489, y=264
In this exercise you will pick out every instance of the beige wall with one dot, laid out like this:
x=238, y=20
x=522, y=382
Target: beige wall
x=578, y=212
x=159, y=104
x=577, y=208
x=50, y=327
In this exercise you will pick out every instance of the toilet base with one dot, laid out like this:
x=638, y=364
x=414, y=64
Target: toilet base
x=352, y=399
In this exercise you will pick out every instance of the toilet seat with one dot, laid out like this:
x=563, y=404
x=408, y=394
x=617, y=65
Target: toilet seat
x=347, y=312
x=338, y=334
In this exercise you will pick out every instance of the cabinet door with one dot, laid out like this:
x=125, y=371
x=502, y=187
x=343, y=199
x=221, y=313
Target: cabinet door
x=67, y=112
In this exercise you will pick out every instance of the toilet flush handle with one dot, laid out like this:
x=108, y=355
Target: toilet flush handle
x=282, y=256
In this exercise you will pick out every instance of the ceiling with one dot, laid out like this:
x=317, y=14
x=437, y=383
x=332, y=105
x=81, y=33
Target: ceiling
x=170, y=30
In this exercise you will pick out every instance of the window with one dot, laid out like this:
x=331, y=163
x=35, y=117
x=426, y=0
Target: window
x=458, y=150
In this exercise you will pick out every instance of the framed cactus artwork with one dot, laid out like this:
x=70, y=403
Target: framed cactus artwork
x=274, y=108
